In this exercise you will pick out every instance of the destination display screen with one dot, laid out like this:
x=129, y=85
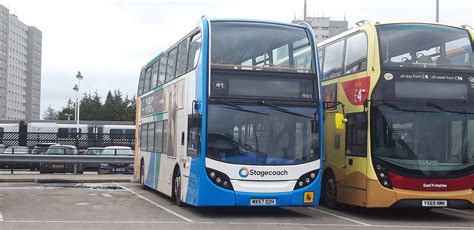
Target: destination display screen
x=222, y=85
x=264, y=88
x=429, y=85
x=406, y=89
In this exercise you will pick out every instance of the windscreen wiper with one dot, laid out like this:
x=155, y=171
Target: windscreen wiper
x=279, y=109
x=239, y=108
x=444, y=109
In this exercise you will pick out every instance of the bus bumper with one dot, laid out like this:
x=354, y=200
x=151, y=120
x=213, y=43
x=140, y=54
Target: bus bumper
x=381, y=197
x=212, y=195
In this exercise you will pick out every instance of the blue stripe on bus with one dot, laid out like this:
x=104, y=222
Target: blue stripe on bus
x=150, y=176
x=321, y=117
x=194, y=187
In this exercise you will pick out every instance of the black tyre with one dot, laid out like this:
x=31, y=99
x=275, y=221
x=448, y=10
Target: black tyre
x=330, y=192
x=142, y=173
x=177, y=189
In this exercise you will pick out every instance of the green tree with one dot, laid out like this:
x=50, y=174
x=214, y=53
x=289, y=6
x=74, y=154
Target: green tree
x=67, y=112
x=116, y=107
x=91, y=107
x=131, y=109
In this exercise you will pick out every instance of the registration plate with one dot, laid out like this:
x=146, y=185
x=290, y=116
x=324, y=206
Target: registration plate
x=434, y=203
x=58, y=166
x=262, y=202
x=120, y=170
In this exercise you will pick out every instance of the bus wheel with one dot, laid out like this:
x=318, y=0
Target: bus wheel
x=177, y=189
x=330, y=192
x=142, y=174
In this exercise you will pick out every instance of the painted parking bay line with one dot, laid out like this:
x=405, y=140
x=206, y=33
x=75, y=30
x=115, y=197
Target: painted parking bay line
x=1, y=216
x=156, y=204
x=340, y=217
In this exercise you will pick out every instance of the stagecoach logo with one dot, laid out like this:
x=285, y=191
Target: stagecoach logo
x=388, y=76
x=244, y=172
x=218, y=85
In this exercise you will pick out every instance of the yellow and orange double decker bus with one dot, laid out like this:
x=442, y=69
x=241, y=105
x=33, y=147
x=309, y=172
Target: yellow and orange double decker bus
x=399, y=116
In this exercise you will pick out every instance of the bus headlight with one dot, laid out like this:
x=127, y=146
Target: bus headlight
x=382, y=174
x=219, y=178
x=306, y=179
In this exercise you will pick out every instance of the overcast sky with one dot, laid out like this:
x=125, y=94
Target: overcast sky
x=109, y=40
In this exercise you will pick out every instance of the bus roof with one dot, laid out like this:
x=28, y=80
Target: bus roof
x=360, y=26
x=255, y=21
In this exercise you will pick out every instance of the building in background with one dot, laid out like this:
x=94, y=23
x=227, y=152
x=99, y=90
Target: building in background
x=324, y=27
x=20, y=68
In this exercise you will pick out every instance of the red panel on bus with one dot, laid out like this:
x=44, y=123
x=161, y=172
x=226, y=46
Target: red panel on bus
x=418, y=184
x=357, y=90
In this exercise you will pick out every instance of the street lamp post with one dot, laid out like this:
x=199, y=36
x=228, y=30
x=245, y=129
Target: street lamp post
x=76, y=89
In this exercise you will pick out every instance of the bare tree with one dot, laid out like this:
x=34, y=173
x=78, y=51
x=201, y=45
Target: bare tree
x=50, y=114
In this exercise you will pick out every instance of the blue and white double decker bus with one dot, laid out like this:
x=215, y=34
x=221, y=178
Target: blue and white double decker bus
x=230, y=115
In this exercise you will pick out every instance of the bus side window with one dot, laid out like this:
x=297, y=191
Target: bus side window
x=194, y=135
x=171, y=67
x=150, y=137
x=356, y=54
x=194, y=51
x=356, y=134
x=333, y=57
x=159, y=137
x=162, y=69
x=143, y=136
x=154, y=75
x=182, y=58
x=141, y=83
x=146, y=83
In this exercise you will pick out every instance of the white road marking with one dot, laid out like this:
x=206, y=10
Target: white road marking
x=460, y=211
x=232, y=223
x=22, y=188
x=1, y=216
x=341, y=217
x=81, y=204
x=157, y=205
x=106, y=195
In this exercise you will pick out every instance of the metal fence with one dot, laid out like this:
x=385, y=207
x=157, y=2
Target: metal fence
x=81, y=141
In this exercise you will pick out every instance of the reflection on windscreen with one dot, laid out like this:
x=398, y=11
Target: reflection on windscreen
x=260, y=46
x=260, y=135
x=427, y=46
x=424, y=138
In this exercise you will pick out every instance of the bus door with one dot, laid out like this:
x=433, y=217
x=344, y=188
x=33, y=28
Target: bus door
x=334, y=147
x=354, y=183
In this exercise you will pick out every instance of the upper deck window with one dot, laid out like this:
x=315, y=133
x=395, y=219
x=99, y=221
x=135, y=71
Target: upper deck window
x=260, y=46
x=425, y=46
